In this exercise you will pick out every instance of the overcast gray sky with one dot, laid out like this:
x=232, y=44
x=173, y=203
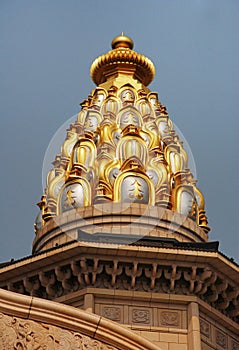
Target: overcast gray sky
x=47, y=48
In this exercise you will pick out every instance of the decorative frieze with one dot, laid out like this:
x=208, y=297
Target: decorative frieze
x=16, y=333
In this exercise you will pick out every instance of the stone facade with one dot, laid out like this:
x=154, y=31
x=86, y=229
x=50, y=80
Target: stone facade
x=160, y=293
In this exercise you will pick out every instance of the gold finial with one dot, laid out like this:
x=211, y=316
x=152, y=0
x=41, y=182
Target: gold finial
x=122, y=41
x=124, y=61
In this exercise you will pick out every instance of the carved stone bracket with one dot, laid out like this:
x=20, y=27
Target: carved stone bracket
x=131, y=274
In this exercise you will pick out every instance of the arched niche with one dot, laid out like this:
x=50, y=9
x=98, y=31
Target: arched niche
x=83, y=153
x=186, y=202
x=127, y=94
x=174, y=158
x=92, y=120
x=129, y=116
x=98, y=97
x=111, y=105
x=129, y=146
x=132, y=187
x=54, y=184
x=74, y=194
x=144, y=107
x=199, y=197
x=155, y=104
x=165, y=126
x=69, y=143
x=152, y=131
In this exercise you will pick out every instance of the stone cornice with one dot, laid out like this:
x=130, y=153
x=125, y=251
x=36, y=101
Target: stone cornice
x=207, y=275
x=64, y=252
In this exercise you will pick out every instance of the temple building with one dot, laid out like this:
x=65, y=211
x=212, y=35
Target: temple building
x=121, y=258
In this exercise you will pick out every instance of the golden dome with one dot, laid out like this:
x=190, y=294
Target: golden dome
x=122, y=60
x=123, y=149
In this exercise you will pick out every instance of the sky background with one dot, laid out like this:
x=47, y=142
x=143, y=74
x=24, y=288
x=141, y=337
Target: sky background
x=46, y=49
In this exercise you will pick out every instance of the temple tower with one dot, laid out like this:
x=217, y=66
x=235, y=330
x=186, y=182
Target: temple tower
x=122, y=232
x=122, y=156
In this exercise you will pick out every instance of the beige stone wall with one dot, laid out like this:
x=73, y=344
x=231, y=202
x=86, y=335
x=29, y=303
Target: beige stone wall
x=163, y=324
x=169, y=321
x=140, y=314
x=167, y=339
x=163, y=321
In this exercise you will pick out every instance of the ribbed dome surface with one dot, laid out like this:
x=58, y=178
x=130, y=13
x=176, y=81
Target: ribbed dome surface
x=122, y=60
x=122, y=148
